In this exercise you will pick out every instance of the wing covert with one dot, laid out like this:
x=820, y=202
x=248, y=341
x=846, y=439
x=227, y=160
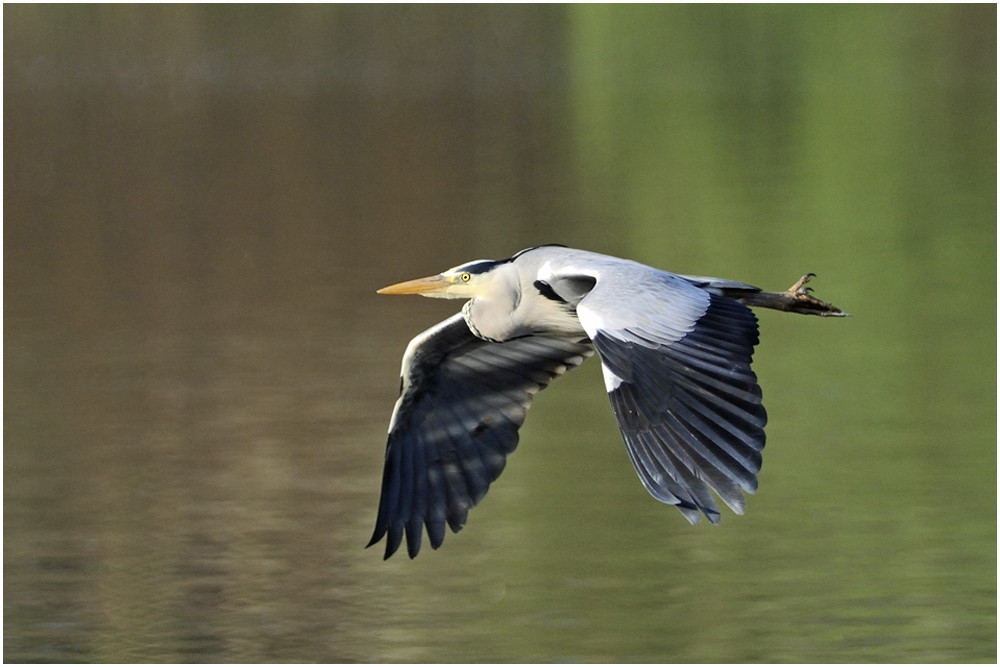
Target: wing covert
x=462, y=402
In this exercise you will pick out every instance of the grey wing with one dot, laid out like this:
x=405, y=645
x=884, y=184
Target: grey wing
x=679, y=379
x=457, y=418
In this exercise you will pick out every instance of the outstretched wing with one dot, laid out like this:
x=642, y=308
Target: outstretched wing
x=461, y=404
x=676, y=362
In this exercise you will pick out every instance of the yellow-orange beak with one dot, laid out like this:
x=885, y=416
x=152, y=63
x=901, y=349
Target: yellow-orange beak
x=427, y=286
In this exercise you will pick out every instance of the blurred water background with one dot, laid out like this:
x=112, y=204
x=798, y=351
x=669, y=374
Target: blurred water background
x=200, y=201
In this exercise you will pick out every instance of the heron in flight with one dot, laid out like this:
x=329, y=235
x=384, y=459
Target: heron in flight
x=675, y=353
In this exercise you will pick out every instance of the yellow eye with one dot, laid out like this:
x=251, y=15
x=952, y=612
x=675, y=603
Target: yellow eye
x=465, y=277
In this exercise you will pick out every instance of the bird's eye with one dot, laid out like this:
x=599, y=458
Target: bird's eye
x=465, y=277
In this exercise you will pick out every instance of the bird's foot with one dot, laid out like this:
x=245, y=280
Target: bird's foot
x=799, y=289
x=804, y=302
x=796, y=299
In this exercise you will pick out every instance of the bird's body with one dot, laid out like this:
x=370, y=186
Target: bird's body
x=675, y=353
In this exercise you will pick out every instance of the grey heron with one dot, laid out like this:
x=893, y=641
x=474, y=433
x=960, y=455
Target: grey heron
x=675, y=352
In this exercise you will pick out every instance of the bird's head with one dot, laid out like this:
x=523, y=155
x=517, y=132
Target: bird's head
x=467, y=281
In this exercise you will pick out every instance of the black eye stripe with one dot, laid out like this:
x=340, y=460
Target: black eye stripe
x=486, y=265
x=477, y=268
